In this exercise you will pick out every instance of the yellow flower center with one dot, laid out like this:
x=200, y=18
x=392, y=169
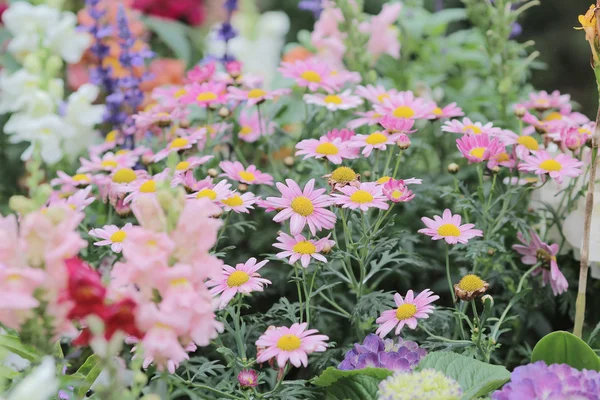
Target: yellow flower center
x=234, y=201
x=111, y=136
x=247, y=176
x=182, y=166
x=311, y=76
x=528, y=142
x=181, y=92
x=121, y=152
x=81, y=178
x=118, y=236
x=383, y=179
x=328, y=149
x=396, y=194
x=246, y=130
x=471, y=283
x=542, y=103
x=553, y=116
x=178, y=143
x=304, y=247
x=207, y=96
x=343, y=175
x=449, y=230
x=13, y=277
x=478, y=152
x=502, y=157
x=403, y=112
x=333, y=99
x=124, y=175
x=109, y=164
x=585, y=131
x=256, y=93
x=406, y=311
x=361, y=197
x=473, y=128
x=303, y=206
x=376, y=138
x=438, y=111
x=211, y=194
x=551, y=165
x=382, y=97
x=289, y=343
x=237, y=278
x=148, y=187
x=179, y=282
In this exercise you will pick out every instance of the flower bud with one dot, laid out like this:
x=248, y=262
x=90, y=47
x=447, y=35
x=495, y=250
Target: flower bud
x=242, y=187
x=403, y=141
x=224, y=112
x=54, y=65
x=248, y=378
x=212, y=172
x=33, y=64
x=289, y=161
x=520, y=111
x=495, y=169
x=487, y=300
x=453, y=168
x=367, y=174
x=184, y=123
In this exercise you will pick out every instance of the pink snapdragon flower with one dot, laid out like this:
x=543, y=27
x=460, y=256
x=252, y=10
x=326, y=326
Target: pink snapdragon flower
x=448, y=227
x=334, y=150
x=409, y=310
x=17, y=285
x=254, y=96
x=244, y=278
x=333, y=102
x=297, y=247
x=291, y=344
x=111, y=235
x=466, y=126
x=364, y=196
x=252, y=176
x=383, y=35
x=303, y=207
x=479, y=148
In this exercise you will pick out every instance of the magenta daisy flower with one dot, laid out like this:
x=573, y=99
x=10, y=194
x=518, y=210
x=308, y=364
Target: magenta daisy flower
x=408, y=311
x=239, y=203
x=448, y=227
x=333, y=102
x=405, y=105
x=215, y=192
x=393, y=125
x=541, y=163
x=180, y=143
x=204, y=94
x=254, y=96
x=312, y=74
x=469, y=127
x=71, y=181
x=478, y=148
x=397, y=191
x=146, y=186
x=375, y=94
x=523, y=144
x=536, y=251
x=303, y=207
x=190, y=163
x=366, y=118
x=291, y=344
x=543, y=101
x=252, y=176
x=299, y=248
x=244, y=279
x=376, y=140
x=111, y=235
x=335, y=150
x=450, y=111
x=365, y=196
x=344, y=134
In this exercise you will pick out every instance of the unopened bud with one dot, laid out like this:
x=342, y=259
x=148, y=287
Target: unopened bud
x=520, y=111
x=212, y=172
x=453, y=168
x=33, y=64
x=487, y=300
x=495, y=169
x=224, y=112
x=184, y=123
x=403, y=141
x=289, y=161
x=54, y=65
x=242, y=187
x=367, y=174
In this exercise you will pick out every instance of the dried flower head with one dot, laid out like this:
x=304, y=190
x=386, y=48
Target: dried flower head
x=470, y=287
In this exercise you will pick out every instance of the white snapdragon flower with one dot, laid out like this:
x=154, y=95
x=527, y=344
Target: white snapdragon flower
x=40, y=384
x=82, y=115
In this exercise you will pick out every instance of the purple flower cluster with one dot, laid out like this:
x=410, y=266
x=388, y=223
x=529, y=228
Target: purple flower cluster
x=375, y=352
x=100, y=75
x=226, y=31
x=314, y=6
x=557, y=381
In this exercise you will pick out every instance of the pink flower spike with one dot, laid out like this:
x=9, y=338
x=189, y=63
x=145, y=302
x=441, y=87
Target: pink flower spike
x=450, y=111
x=111, y=235
x=409, y=310
x=335, y=150
x=448, y=227
x=397, y=192
x=252, y=176
x=365, y=196
x=469, y=127
x=541, y=163
x=405, y=105
x=312, y=74
x=303, y=207
x=244, y=279
x=299, y=248
x=291, y=344
x=204, y=94
x=478, y=148
x=334, y=102
x=254, y=96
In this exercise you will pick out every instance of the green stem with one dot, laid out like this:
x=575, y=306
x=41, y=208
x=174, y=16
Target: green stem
x=450, y=286
x=211, y=389
x=399, y=157
x=335, y=305
x=298, y=286
x=223, y=227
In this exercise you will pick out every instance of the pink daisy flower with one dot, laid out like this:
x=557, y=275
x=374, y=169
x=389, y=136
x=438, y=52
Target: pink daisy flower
x=375, y=94
x=405, y=105
x=542, y=163
x=244, y=279
x=448, y=227
x=393, y=125
x=478, y=148
x=78, y=201
x=250, y=127
x=365, y=196
x=190, y=163
x=366, y=118
x=204, y=94
x=536, y=251
x=215, y=192
x=312, y=74
x=335, y=150
x=469, y=127
x=376, y=140
x=450, y=111
x=180, y=143
x=333, y=102
x=303, y=207
x=202, y=73
x=146, y=186
x=71, y=181
x=410, y=181
x=408, y=311
x=108, y=163
x=111, y=235
x=543, y=101
x=291, y=344
x=254, y=96
x=297, y=247
x=344, y=134
x=523, y=145
x=239, y=203
x=341, y=77
x=252, y=176
x=397, y=191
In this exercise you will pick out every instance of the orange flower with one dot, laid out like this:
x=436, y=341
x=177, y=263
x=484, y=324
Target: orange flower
x=296, y=54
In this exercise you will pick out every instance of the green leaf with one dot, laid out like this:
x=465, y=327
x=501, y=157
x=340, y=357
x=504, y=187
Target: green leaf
x=90, y=370
x=332, y=375
x=476, y=378
x=360, y=387
x=173, y=34
x=8, y=373
x=13, y=344
x=565, y=348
